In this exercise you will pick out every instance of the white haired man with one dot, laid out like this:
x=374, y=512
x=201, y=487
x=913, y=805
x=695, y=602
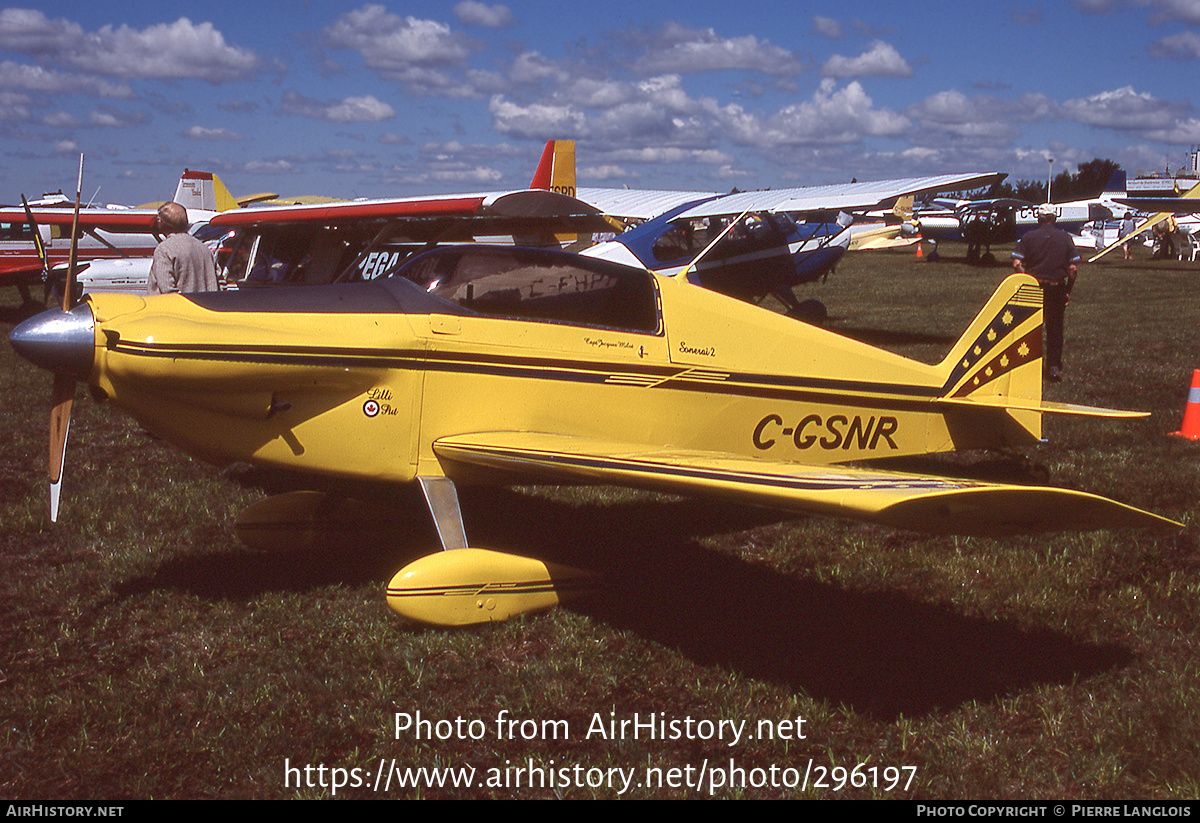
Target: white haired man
x=181, y=262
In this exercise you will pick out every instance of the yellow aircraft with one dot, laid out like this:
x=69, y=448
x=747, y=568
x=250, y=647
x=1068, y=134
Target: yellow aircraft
x=509, y=365
x=898, y=229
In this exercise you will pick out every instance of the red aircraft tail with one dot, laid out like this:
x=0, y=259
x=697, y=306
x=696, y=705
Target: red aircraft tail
x=556, y=170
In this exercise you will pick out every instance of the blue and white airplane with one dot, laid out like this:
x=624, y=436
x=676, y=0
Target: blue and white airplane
x=751, y=245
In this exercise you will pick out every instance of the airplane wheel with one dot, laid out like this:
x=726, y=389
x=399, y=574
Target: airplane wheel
x=810, y=311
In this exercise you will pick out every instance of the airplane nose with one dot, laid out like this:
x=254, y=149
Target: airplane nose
x=58, y=341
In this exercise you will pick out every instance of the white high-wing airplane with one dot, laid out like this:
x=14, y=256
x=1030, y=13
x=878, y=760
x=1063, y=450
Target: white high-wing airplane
x=986, y=223
x=763, y=242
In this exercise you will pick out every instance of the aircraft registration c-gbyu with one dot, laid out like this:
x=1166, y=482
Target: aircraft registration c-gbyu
x=501, y=364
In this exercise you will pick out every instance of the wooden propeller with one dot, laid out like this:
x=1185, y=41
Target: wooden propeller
x=64, y=384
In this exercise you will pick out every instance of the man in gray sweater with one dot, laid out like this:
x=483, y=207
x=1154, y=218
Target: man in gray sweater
x=181, y=262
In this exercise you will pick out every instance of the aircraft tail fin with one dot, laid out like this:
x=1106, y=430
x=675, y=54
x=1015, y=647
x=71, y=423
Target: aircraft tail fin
x=1116, y=183
x=203, y=190
x=997, y=362
x=556, y=171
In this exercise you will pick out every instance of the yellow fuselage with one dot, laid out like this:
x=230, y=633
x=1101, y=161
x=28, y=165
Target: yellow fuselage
x=349, y=380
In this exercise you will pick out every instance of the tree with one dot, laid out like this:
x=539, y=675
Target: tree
x=1087, y=183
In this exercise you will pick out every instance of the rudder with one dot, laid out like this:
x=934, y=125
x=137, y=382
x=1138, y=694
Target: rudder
x=998, y=360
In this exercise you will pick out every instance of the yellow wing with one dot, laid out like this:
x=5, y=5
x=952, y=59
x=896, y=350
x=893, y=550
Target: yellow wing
x=908, y=501
x=1150, y=222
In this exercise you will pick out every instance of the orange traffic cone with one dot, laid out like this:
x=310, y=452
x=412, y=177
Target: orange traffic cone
x=1191, y=412
x=919, y=252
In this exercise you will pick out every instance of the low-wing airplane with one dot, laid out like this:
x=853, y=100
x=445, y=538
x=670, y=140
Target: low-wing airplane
x=107, y=233
x=509, y=365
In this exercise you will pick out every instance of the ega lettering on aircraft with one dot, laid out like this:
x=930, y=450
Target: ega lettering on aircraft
x=492, y=381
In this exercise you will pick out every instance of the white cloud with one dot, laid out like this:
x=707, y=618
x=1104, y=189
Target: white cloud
x=1182, y=46
x=881, y=60
x=31, y=32
x=364, y=109
x=479, y=174
x=987, y=119
x=1180, y=133
x=61, y=120
x=393, y=45
x=831, y=117
x=40, y=79
x=172, y=50
x=532, y=67
x=661, y=154
x=605, y=171
x=14, y=106
x=393, y=139
x=1124, y=109
x=470, y=12
x=1173, y=11
x=687, y=50
x=828, y=27
x=202, y=133
x=111, y=118
x=267, y=167
x=535, y=120
x=360, y=110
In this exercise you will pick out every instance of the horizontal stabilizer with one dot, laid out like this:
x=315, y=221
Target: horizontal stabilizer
x=909, y=501
x=1045, y=406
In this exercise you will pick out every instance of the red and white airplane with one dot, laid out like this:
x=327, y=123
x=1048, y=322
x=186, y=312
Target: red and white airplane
x=35, y=239
x=281, y=243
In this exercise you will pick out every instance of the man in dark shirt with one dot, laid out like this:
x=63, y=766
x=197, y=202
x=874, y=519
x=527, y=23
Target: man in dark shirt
x=1048, y=253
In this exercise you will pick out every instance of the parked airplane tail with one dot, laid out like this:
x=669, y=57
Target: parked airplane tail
x=998, y=360
x=203, y=190
x=997, y=365
x=1116, y=184
x=556, y=171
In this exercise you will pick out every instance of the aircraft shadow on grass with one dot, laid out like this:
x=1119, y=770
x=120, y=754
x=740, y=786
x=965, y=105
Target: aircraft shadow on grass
x=884, y=654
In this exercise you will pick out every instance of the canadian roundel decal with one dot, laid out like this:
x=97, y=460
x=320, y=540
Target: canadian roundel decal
x=371, y=408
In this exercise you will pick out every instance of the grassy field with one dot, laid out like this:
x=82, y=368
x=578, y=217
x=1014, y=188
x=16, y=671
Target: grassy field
x=144, y=653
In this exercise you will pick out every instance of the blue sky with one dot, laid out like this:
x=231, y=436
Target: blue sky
x=406, y=98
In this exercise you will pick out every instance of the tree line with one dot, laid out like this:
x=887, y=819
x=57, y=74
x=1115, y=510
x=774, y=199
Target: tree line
x=1086, y=183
